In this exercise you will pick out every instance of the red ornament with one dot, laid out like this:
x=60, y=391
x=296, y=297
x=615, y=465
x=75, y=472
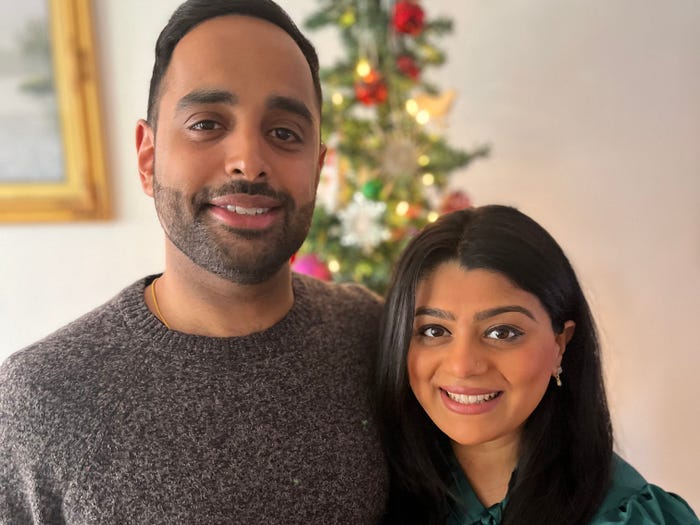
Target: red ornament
x=456, y=200
x=371, y=89
x=406, y=64
x=408, y=18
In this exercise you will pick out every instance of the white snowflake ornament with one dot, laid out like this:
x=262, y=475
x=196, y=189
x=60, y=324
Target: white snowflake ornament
x=361, y=223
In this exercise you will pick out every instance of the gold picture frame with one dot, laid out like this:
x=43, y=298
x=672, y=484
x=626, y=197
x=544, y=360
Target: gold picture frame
x=81, y=191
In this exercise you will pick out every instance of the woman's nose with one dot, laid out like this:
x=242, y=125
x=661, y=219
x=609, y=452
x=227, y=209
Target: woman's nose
x=465, y=358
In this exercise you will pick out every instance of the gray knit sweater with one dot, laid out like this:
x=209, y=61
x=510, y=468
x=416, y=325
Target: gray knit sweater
x=114, y=419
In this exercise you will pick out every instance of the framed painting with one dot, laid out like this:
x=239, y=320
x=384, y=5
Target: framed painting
x=52, y=163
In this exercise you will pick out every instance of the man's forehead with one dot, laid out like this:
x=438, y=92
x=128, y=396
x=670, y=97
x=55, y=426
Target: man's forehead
x=221, y=51
x=236, y=28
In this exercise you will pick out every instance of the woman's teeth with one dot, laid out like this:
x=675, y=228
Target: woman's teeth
x=469, y=399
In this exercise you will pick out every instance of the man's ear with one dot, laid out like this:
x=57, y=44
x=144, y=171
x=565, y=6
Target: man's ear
x=321, y=160
x=145, y=154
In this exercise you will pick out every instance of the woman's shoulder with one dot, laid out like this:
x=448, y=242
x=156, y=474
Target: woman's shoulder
x=631, y=500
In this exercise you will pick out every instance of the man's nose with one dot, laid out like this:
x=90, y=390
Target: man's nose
x=245, y=155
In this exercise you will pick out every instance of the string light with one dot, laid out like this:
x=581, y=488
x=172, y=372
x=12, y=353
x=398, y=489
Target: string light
x=412, y=107
x=422, y=117
x=433, y=216
x=363, y=68
x=423, y=161
x=337, y=98
x=348, y=18
x=402, y=208
x=428, y=179
x=334, y=266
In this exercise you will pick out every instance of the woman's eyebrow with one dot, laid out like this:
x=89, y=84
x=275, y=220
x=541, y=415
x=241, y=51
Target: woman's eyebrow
x=434, y=312
x=492, y=312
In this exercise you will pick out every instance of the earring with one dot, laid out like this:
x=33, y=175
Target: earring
x=556, y=375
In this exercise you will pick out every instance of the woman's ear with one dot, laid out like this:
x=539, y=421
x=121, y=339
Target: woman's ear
x=145, y=155
x=565, y=336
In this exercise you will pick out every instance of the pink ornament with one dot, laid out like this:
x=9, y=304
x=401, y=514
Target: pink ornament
x=310, y=264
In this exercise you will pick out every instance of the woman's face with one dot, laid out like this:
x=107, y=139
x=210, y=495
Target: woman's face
x=481, y=355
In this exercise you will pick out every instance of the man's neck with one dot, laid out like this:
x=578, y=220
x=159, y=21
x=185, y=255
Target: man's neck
x=195, y=301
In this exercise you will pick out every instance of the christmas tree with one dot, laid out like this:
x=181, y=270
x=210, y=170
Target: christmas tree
x=388, y=165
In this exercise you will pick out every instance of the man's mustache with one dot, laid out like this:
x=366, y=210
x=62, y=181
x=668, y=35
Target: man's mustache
x=205, y=195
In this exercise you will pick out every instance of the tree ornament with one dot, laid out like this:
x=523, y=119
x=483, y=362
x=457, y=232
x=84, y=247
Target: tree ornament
x=408, y=18
x=455, y=200
x=372, y=188
x=371, y=89
x=399, y=157
x=361, y=223
x=437, y=105
x=407, y=66
x=310, y=264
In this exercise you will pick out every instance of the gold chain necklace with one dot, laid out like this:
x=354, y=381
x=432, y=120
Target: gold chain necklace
x=155, y=303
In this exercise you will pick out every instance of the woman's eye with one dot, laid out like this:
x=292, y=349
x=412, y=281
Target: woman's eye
x=503, y=333
x=205, y=125
x=432, y=331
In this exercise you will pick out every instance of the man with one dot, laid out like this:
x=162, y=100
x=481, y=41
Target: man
x=226, y=390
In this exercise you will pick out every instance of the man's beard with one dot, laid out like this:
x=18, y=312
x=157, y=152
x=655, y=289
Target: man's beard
x=237, y=255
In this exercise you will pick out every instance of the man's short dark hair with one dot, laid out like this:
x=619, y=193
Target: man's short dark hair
x=193, y=12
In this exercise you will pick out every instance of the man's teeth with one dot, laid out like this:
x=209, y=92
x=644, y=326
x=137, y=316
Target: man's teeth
x=246, y=211
x=470, y=400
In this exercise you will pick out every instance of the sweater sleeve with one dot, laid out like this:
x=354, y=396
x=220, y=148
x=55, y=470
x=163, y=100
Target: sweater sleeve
x=28, y=487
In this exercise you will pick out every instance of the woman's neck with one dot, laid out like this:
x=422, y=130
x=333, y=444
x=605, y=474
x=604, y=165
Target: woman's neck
x=489, y=467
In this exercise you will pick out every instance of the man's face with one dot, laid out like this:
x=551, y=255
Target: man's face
x=234, y=161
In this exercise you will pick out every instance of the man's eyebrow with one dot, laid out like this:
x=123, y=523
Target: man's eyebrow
x=434, y=312
x=207, y=96
x=291, y=105
x=492, y=312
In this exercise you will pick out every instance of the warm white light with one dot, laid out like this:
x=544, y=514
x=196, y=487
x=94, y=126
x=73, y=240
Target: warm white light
x=423, y=160
x=363, y=68
x=412, y=107
x=402, y=208
x=422, y=117
x=433, y=216
x=337, y=98
x=428, y=179
x=334, y=266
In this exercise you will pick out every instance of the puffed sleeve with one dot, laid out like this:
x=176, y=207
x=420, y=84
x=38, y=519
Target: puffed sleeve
x=633, y=501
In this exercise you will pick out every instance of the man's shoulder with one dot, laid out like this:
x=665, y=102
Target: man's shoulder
x=77, y=345
x=340, y=297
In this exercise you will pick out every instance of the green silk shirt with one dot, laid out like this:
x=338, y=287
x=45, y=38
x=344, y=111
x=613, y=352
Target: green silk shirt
x=630, y=501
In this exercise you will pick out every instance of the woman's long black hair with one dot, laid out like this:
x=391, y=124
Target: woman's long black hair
x=565, y=452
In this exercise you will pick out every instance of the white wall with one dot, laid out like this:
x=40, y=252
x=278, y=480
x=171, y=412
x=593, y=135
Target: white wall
x=593, y=112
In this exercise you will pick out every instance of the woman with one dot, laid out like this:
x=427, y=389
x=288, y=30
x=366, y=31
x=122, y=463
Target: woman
x=491, y=398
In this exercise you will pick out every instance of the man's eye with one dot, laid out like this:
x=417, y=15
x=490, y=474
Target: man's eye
x=503, y=333
x=285, y=135
x=432, y=331
x=205, y=125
